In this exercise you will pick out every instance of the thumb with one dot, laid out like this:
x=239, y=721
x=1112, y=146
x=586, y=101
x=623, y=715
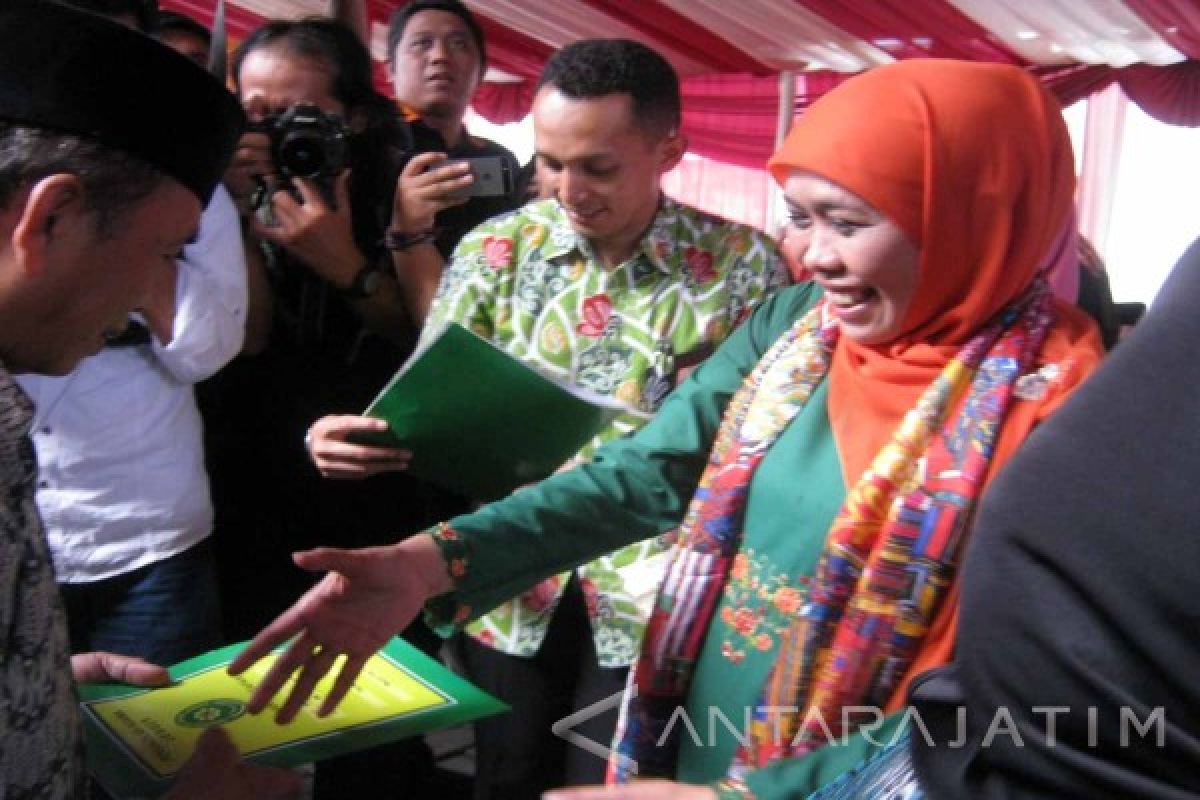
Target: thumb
x=214, y=749
x=142, y=673
x=327, y=559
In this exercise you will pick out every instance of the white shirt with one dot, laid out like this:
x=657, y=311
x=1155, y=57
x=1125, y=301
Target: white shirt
x=119, y=440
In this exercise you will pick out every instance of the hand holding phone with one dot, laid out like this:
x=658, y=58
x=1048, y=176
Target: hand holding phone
x=493, y=177
x=430, y=183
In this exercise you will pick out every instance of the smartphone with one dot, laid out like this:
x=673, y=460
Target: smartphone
x=493, y=177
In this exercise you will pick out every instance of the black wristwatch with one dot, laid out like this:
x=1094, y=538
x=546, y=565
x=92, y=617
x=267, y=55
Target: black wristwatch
x=365, y=283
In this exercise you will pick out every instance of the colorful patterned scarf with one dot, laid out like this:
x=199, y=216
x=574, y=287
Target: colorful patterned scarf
x=889, y=558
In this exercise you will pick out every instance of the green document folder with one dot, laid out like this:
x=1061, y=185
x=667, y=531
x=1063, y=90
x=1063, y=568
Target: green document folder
x=138, y=739
x=482, y=423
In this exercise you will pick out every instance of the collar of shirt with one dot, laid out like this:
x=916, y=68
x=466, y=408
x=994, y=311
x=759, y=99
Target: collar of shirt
x=656, y=246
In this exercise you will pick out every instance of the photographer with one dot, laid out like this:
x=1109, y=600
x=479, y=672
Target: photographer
x=325, y=306
x=321, y=291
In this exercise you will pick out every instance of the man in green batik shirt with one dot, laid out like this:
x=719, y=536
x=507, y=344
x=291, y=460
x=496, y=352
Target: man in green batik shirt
x=614, y=287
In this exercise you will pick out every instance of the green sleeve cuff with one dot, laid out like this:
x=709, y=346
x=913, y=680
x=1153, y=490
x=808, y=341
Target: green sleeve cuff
x=445, y=613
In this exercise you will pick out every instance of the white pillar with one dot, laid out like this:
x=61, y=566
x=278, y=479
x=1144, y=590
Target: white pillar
x=787, y=110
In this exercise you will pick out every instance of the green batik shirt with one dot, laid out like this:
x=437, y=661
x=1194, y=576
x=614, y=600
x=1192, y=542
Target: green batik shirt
x=530, y=284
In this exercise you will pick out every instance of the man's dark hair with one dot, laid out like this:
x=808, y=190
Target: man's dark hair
x=144, y=11
x=113, y=181
x=168, y=22
x=599, y=67
x=401, y=16
x=327, y=42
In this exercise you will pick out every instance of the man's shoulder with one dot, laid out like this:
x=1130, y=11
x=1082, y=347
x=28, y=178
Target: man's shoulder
x=730, y=245
x=531, y=230
x=708, y=223
x=539, y=212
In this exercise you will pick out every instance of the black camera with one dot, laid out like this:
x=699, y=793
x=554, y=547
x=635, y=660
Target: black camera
x=307, y=143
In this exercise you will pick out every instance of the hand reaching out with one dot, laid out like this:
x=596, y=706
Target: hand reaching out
x=366, y=597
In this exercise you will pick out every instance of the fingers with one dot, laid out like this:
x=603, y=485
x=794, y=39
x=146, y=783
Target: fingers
x=283, y=628
x=337, y=457
x=345, y=680
x=421, y=163
x=293, y=657
x=213, y=748
x=312, y=201
x=344, y=461
x=319, y=661
x=328, y=559
x=437, y=187
x=310, y=196
x=99, y=667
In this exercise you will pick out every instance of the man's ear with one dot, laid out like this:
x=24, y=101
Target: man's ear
x=671, y=151
x=52, y=209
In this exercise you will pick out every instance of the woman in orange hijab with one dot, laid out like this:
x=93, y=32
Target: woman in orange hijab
x=824, y=463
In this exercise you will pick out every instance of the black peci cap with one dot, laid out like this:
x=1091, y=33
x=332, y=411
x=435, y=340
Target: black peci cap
x=78, y=73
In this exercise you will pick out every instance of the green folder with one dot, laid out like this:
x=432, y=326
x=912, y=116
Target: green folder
x=138, y=739
x=482, y=423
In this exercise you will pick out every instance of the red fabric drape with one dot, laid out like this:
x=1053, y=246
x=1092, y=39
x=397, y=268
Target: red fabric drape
x=1170, y=94
x=731, y=118
x=915, y=29
x=513, y=52
x=667, y=27
x=1073, y=83
x=811, y=85
x=503, y=102
x=1177, y=21
x=733, y=192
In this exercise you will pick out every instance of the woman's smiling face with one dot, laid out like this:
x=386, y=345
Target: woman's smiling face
x=865, y=263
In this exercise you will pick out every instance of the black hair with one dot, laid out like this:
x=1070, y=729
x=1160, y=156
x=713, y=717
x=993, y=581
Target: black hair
x=113, y=181
x=168, y=22
x=401, y=16
x=144, y=11
x=329, y=43
x=599, y=67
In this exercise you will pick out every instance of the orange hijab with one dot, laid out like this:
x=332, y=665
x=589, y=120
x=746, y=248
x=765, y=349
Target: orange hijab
x=974, y=163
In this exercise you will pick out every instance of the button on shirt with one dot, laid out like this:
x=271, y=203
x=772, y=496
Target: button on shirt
x=119, y=440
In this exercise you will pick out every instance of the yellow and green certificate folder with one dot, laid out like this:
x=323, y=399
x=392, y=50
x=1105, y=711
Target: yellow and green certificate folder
x=138, y=739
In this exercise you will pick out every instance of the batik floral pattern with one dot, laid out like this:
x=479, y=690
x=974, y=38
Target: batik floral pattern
x=758, y=605
x=533, y=287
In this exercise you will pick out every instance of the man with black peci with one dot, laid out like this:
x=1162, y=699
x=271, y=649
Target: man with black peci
x=104, y=167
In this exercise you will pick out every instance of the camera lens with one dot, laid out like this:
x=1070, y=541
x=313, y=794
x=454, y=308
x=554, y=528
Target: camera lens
x=302, y=154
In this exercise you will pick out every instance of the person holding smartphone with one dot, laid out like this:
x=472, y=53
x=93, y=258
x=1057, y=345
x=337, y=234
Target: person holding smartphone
x=438, y=56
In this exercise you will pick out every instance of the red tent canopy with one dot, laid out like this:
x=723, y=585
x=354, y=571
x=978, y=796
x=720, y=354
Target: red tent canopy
x=732, y=54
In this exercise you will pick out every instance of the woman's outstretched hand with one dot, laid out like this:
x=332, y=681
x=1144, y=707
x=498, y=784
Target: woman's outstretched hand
x=366, y=597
